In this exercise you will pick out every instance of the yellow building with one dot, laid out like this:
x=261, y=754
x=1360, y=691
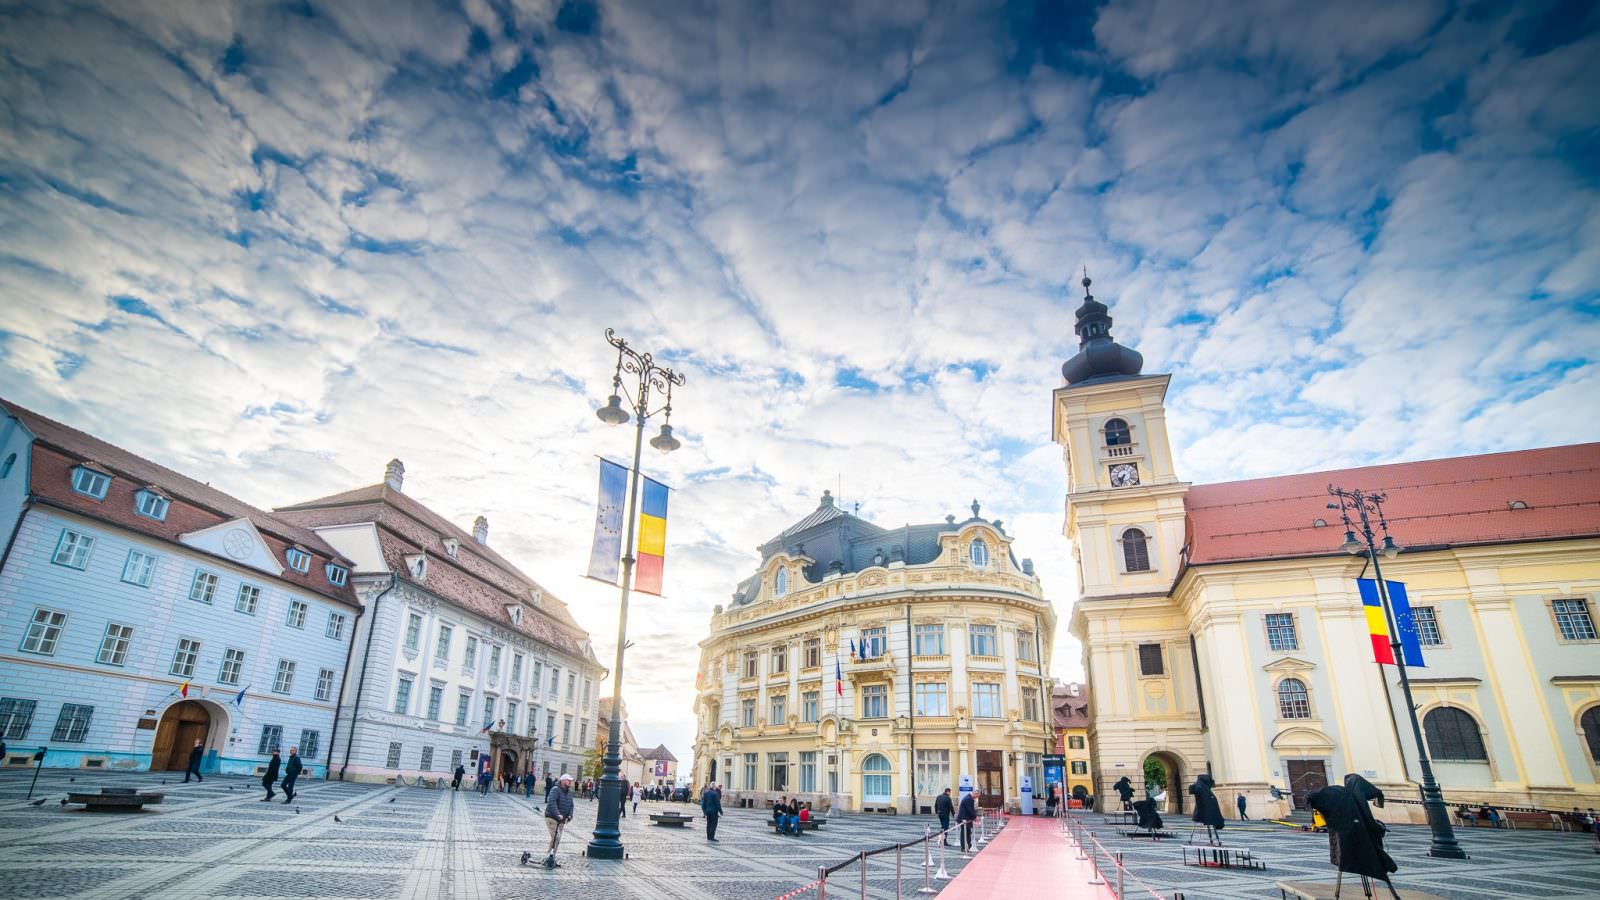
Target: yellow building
x=874, y=667
x=1223, y=630
x=1071, y=704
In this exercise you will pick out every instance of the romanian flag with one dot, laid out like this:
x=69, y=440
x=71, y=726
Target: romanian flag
x=838, y=676
x=652, y=537
x=184, y=690
x=1377, y=623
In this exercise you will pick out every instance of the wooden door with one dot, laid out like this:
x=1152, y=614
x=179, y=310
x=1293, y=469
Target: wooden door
x=991, y=783
x=1306, y=777
x=181, y=725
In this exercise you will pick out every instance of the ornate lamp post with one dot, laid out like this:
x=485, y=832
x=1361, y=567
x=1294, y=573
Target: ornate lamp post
x=607, y=842
x=1366, y=505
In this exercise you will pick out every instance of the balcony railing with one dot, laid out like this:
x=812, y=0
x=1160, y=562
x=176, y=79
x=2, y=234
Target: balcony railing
x=1115, y=451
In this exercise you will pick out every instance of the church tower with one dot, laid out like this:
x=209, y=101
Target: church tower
x=1125, y=519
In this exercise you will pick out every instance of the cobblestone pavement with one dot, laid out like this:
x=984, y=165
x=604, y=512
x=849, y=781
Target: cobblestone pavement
x=215, y=839
x=1503, y=863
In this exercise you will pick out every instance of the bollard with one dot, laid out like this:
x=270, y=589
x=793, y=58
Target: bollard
x=863, y=875
x=983, y=829
x=896, y=872
x=927, y=861
x=1094, y=866
x=943, y=875
x=1119, y=875
x=822, y=883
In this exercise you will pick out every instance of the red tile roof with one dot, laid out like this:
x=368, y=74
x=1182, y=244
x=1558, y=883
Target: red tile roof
x=477, y=579
x=1434, y=503
x=58, y=449
x=1070, y=711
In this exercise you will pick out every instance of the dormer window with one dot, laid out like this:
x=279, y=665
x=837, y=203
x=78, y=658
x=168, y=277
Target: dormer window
x=1117, y=434
x=299, y=560
x=90, y=483
x=515, y=613
x=780, y=584
x=417, y=565
x=451, y=545
x=978, y=553
x=151, y=505
x=1517, y=504
x=337, y=575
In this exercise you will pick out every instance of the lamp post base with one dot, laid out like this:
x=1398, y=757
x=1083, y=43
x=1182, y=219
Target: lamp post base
x=598, y=850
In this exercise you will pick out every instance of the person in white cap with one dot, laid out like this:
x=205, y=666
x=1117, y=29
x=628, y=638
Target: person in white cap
x=557, y=813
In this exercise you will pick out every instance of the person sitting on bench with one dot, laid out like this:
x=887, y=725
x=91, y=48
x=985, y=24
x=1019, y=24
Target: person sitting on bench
x=1466, y=816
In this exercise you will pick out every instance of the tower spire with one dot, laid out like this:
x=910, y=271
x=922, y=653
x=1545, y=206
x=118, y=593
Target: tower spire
x=1099, y=357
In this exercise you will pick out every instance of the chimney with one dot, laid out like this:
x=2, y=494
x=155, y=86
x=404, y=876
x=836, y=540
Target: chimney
x=480, y=530
x=394, y=474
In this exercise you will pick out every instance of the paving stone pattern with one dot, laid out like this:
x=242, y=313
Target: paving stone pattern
x=215, y=839
x=1503, y=863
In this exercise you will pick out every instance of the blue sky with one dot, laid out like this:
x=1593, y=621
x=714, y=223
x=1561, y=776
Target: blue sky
x=274, y=245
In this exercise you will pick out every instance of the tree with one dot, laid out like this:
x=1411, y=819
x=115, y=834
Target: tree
x=1155, y=774
x=593, y=763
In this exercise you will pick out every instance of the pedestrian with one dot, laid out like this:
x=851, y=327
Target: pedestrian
x=527, y=786
x=557, y=813
x=623, y=797
x=944, y=807
x=711, y=808
x=548, y=782
x=638, y=794
x=195, y=756
x=461, y=772
x=966, y=814
x=270, y=777
x=291, y=771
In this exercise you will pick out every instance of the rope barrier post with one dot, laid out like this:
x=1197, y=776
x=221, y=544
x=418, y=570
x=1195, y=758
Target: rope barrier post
x=983, y=829
x=1119, y=875
x=943, y=875
x=1094, y=864
x=822, y=883
x=927, y=860
x=863, y=875
x=896, y=872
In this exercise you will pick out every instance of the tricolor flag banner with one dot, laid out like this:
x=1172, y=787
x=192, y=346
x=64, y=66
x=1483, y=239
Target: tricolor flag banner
x=605, y=557
x=652, y=537
x=838, y=676
x=184, y=690
x=1378, y=626
x=852, y=649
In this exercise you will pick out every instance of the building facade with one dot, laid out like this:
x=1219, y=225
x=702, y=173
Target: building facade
x=143, y=611
x=661, y=767
x=1071, y=704
x=459, y=654
x=1223, y=631
x=632, y=766
x=870, y=668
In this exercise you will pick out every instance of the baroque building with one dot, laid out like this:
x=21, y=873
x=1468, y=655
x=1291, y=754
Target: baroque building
x=458, y=653
x=144, y=611
x=870, y=668
x=1223, y=631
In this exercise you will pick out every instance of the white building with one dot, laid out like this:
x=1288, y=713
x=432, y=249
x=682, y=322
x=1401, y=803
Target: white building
x=124, y=584
x=459, y=652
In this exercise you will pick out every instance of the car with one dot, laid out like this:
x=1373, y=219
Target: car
x=682, y=795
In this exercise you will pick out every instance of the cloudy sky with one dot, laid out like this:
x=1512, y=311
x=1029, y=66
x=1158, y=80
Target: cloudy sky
x=275, y=244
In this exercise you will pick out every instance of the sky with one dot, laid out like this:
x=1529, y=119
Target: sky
x=273, y=245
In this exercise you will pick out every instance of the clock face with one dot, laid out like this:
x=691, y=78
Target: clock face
x=1124, y=475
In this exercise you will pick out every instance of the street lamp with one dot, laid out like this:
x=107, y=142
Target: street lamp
x=607, y=842
x=1366, y=504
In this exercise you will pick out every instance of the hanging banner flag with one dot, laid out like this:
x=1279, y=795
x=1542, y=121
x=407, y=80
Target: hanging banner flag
x=239, y=700
x=184, y=690
x=838, y=676
x=652, y=537
x=1378, y=626
x=605, y=557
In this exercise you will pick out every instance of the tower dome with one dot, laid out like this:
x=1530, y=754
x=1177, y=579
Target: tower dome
x=1098, y=357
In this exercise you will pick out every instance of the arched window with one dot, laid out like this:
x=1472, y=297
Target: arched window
x=1453, y=735
x=5, y=467
x=1591, y=731
x=979, y=553
x=1293, y=700
x=780, y=585
x=1135, y=552
x=1117, y=433
x=876, y=783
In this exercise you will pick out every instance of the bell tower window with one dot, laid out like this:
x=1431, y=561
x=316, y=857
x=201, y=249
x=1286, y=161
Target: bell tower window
x=1135, y=551
x=1117, y=433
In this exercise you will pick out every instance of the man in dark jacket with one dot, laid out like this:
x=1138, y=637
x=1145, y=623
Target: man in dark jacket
x=461, y=772
x=1240, y=801
x=557, y=813
x=195, y=756
x=711, y=808
x=270, y=778
x=966, y=815
x=944, y=807
x=291, y=771
x=623, y=799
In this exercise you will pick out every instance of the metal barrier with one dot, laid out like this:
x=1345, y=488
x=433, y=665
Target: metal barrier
x=1114, y=874
x=988, y=824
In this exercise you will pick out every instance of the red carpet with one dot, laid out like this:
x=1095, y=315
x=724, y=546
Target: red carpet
x=1030, y=858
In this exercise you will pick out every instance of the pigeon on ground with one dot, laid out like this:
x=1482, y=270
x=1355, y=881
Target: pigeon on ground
x=526, y=855
x=297, y=810
x=63, y=801
x=38, y=802
x=337, y=819
x=72, y=779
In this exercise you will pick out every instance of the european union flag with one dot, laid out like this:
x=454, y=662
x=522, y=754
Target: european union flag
x=605, y=556
x=1410, y=642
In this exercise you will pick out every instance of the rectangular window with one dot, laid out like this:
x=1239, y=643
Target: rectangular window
x=511, y=717
x=1427, y=623
x=151, y=505
x=572, y=686
x=310, y=739
x=1075, y=742
x=872, y=642
x=298, y=559
x=114, y=645
x=752, y=664
x=780, y=660
x=463, y=707
x=747, y=713
x=336, y=574
x=413, y=631
x=1025, y=645
x=494, y=663
x=808, y=771
x=550, y=726
x=777, y=771
x=435, y=702
x=813, y=653
x=1030, y=704
x=536, y=681
x=875, y=701
x=335, y=626
x=927, y=640
x=248, y=598
x=283, y=680
x=583, y=734
x=516, y=674
x=232, y=666
x=441, y=647
x=393, y=761
x=488, y=711
x=1572, y=617
x=16, y=717
x=427, y=759
x=1080, y=767
x=750, y=771
x=204, y=586
x=933, y=698
x=90, y=483
x=271, y=739
x=986, y=701
x=296, y=617
x=325, y=684
x=777, y=709
x=982, y=640
x=588, y=687
x=184, y=657
x=555, y=682
x=932, y=772
x=1280, y=632
x=1150, y=662
x=402, y=694
x=44, y=630
x=469, y=662
x=139, y=568
x=566, y=730
x=809, y=706
x=533, y=721
x=73, y=723
x=455, y=759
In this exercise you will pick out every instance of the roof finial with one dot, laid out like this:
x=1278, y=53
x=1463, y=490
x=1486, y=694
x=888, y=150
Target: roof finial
x=1086, y=281
x=974, y=507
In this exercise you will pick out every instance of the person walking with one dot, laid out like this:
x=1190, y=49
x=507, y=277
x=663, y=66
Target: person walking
x=557, y=813
x=195, y=756
x=627, y=789
x=966, y=814
x=944, y=807
x=270, y=778
x=527, y=786
x=1239, y=801
x=291, y=772
x=638, y=794
x=461, y=772
x=711, y=808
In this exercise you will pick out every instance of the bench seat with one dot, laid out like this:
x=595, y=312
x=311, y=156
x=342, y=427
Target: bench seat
x=670, y=819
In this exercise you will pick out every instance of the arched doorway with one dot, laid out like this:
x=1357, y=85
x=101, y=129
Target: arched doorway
x=181, y=725
x=508, y=764
x=877, y=786
x=1164, y=771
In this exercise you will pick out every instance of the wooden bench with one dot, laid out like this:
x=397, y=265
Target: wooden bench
x=1208, y=857
x=114, y=800
x=811, y=825
x=1531, y=820
x=676, y=820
